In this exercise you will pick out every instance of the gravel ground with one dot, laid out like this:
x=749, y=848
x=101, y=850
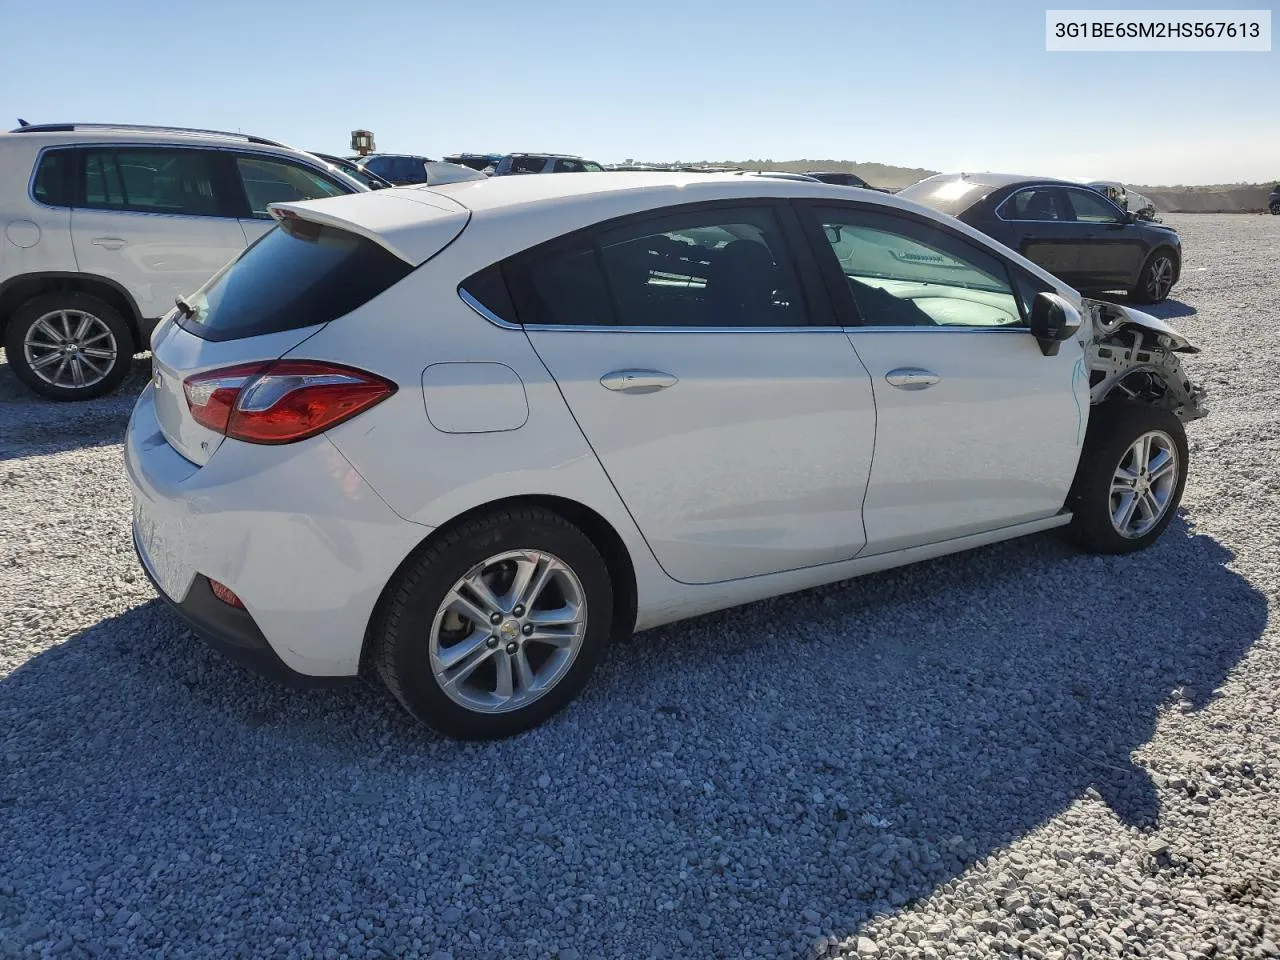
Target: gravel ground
x=1018, y=751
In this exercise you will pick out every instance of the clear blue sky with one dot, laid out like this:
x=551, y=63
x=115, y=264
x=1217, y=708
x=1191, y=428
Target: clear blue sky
x=947, y=85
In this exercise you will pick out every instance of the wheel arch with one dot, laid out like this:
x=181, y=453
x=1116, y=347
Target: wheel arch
x=598, y=530
x=16, y=291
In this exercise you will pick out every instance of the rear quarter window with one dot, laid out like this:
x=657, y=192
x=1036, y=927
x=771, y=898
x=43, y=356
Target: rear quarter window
x=297, y=275
x=52, y=184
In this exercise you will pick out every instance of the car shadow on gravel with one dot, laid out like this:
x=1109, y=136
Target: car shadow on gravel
x=773, y=774
x=34, y=426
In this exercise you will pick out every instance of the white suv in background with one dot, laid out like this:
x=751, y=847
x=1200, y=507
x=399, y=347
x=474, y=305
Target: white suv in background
x=106, y=225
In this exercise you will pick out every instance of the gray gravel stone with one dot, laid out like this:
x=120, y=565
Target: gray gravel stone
x=1012, y=728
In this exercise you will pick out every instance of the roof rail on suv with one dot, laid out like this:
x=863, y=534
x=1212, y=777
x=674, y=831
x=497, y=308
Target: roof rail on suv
x=70, y=127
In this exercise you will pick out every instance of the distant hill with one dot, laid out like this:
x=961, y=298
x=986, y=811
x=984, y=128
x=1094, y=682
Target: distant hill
x=876, y=174
x=1218, y=198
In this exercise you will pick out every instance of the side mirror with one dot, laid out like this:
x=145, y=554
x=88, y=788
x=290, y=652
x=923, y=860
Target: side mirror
x=1053, y=320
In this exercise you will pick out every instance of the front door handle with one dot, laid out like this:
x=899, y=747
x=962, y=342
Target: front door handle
x=912, y=378
x=637, y=381
x=111, y=243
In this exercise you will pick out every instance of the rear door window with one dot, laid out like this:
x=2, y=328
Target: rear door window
x=297, y=275
x=415, y=169
x=150, y=181
x=1037, y=203
x=381, y=166
x=724, y=267
x=528, y=164
x=272, y=181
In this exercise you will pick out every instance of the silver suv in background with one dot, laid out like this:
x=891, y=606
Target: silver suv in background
x=543, y=163
x=106, y=225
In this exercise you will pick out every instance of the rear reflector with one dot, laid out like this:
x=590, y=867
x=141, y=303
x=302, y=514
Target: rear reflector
x=225, y=594
x=281, y=401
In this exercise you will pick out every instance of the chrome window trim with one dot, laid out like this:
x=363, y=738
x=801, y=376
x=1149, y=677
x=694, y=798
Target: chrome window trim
x=941, y=328
x=566, y=328
x=497, y=321
x=252, y=149
x=485, y=312
x=1064, y=188
x=1043, y=186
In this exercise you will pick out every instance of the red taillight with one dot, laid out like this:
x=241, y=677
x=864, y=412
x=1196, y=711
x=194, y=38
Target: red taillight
x=225, y=594
x=282, y=401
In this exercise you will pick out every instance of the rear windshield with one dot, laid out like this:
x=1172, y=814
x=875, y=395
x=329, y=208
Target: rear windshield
x=297, y=275
x=946, y=195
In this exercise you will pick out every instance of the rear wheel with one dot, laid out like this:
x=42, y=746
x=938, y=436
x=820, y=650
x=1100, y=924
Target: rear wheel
x=1156, y=279
x=1275, y=207
x=1130, y=479
x=69, y=346
x=497, y=625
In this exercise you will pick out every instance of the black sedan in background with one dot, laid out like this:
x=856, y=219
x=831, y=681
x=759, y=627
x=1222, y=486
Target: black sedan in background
x=843, y=178
x=1074, y=232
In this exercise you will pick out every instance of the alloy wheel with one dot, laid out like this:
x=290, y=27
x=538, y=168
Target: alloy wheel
x=72, y=349
x=1143, y=484
x=1161, y=279
x=508, y=631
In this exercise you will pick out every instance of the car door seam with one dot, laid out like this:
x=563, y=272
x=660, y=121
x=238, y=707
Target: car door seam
x=875, y=436
x=599, y=461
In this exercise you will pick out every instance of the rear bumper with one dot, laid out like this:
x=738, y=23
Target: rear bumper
x=294, y=530
x=231, y=631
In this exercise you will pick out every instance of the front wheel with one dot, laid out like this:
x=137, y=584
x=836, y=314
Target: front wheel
x=1130, y=478
x=496, y=625
x=1275, y=208
x=1156, y=279
x=69, y=346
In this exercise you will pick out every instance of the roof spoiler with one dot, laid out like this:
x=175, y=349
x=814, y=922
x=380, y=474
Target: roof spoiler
x=412, y=224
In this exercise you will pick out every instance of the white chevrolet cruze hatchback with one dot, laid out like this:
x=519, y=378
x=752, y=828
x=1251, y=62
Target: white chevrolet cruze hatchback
x=460, y=437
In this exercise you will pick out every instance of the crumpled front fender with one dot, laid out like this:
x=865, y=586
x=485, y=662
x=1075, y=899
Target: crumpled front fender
x=1135, y=354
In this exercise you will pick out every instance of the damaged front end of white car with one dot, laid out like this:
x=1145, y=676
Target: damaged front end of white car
x=1134, y=354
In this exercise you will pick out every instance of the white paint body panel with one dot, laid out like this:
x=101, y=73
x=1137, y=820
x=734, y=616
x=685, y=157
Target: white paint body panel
x=305, y=541
x=993, y=443
x=154, y=256
x=753, y=462
x=474, y=397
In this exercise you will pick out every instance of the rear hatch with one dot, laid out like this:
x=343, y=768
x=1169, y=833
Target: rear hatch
x=324, y=260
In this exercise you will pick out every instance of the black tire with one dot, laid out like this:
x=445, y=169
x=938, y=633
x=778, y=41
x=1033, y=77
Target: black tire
x=1114, y=427
x=121, y=341
x=1275, y=208
x=1147, y=290
x=401, y=654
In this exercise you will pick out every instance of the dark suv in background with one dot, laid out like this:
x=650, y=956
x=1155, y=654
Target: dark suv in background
x=1273, y=201
x=404, y=170
x=1070, y=229
x=398, y=168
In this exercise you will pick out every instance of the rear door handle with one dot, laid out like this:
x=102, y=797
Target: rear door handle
x=637, y=381
x=912, y=378
x=111, y=243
